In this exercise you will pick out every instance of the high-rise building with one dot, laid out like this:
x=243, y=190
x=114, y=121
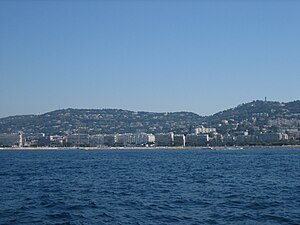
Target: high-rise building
x=78, y=139
x=197, y=139
x=10, y=140
x=164, y=139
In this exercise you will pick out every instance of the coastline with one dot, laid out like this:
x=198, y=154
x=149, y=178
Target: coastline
x=149, y=148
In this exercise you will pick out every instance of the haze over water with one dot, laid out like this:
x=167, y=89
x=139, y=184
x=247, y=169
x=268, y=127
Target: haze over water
x=192, y=186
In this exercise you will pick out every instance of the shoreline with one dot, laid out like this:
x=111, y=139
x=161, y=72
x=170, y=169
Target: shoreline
x=149, y=148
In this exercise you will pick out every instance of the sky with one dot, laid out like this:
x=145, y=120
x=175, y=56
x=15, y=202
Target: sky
x=148, y=55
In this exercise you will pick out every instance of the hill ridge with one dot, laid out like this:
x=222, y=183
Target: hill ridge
x=107, y=120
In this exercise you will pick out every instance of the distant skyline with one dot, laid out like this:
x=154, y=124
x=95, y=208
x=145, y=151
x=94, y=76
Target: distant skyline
x=159, y=56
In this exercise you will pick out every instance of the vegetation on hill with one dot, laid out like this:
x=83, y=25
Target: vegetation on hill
x=253, y=116
x=100, y=121
x=257, y=116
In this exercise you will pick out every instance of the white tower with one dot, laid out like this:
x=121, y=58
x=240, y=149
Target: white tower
x=20, y=138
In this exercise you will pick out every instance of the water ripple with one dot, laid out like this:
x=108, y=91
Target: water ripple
x=150, y=187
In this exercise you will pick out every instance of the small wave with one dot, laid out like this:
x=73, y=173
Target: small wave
x=277, y=218
x=60, y=215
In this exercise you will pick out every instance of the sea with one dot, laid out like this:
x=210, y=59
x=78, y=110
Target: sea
x=150, y=186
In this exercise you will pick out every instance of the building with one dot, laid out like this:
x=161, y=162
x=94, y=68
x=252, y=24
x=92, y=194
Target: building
x=272, y=137
x=197, y=139
x=204, y=130
x=285, y=137
x=217, y=140
x=151, y=139
x=142, y=138
x=36, y=139
x=246, y=139
x=164, y=139
x=179, y=140
x=229, y=139
x=138, y=139
x=57, y=141
x=11, y=140
x=78, y=140
x=96, y=140
x=120, y=139
x=109, y=139
x=293, y=134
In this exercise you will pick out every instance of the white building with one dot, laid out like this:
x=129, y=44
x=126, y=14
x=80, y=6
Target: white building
x=78, y=139
x=96, y=140
x=57, y=140
x=205, y=130
x=138, y=139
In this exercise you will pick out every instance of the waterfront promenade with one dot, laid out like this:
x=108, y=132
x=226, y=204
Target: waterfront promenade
x=150, y=148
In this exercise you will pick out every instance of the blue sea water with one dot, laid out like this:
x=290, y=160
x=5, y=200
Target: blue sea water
x=192, y=186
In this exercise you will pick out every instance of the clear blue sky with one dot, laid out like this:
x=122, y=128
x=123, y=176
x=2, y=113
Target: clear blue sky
x=199, y=56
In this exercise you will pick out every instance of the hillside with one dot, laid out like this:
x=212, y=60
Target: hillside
x=253, y=116
x=259, y=108
x=97, y=121
x=258, y=115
